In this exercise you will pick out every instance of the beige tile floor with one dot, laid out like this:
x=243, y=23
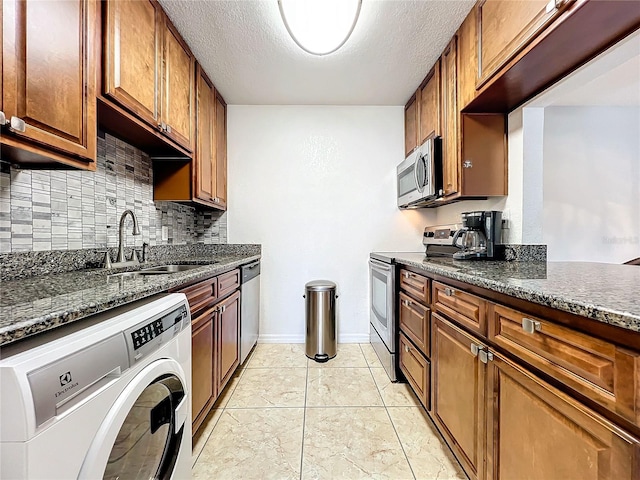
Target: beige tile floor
x=283, y=416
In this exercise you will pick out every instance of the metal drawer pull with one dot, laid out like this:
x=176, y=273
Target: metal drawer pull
x=475, y=349
x=531, y=326
x=406, y=275
x=18, y=125
x=449, y=292
x=406, y=348
x=485, y=357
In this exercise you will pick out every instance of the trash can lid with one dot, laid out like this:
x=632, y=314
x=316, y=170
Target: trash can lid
x=320, y=285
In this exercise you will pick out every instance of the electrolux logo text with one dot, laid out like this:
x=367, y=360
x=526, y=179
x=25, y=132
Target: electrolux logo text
x=65, y=381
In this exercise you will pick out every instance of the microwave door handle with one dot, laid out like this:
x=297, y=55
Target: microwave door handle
x=415, y=172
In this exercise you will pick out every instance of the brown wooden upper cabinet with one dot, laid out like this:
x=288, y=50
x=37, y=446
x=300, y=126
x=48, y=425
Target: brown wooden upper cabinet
x=411, y=125
x=450, y=118
x=505, y=27
x=149, y=69
x=48, y=62
x=205, y=159
x=220, y=197
x=204, y=180
x=429, y=93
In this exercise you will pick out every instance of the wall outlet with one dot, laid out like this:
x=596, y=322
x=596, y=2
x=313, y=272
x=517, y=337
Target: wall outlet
x=165, y=234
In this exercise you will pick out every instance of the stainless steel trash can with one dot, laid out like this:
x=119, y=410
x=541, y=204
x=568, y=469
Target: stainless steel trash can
x=320, y=311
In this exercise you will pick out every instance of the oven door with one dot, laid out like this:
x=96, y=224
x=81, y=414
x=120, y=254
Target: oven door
x=382, y=305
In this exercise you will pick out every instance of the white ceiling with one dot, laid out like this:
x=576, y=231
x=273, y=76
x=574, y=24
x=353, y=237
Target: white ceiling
x=245, y=49
x=611, y=79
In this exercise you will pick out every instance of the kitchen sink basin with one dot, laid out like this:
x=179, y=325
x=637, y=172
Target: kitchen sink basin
x=159, y=270
x=168, y=269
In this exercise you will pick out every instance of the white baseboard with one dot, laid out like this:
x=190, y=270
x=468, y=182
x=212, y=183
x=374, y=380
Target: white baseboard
x=342, y=338
x=353, y=338
x=277, y=338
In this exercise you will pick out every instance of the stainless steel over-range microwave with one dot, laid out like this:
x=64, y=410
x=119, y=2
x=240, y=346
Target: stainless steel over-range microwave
x=420, y=175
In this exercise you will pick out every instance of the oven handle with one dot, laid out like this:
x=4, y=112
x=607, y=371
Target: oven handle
x=379, y=265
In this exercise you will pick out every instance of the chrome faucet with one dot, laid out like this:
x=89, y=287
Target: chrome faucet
x=136, y=231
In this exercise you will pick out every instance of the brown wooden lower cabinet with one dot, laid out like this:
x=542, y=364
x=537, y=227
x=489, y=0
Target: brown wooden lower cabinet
x=414, y=322
x=458, y=380
x=215, y=339
x=503, y=422
x=416, y=368
x=202, y=378
x=534, y=431
x=228, y=333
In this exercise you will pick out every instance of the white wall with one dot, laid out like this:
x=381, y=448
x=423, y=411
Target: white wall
x=592, y=183
x=315, y=185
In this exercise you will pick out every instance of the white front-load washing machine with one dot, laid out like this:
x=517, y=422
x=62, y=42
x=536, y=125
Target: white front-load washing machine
x=111, y=399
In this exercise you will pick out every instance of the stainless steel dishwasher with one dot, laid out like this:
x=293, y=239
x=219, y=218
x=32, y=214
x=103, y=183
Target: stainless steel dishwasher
x=249, y=308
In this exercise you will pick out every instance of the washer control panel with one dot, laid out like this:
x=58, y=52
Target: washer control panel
x=151, y=334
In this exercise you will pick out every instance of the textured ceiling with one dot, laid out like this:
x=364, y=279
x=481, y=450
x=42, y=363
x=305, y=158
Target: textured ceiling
x=245, y=49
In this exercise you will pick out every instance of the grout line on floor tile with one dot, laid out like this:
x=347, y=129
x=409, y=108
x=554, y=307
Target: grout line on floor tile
x=193, y=464
x=304, y=418
x=400, y=441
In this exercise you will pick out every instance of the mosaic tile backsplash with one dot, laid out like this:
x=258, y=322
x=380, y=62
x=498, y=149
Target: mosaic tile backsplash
x=44, y=210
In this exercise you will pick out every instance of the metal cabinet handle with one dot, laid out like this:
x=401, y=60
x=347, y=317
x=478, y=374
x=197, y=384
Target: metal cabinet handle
x=18, y=125
x=167, y=128
x=406, y=275
x=406, y=348
x=3, y=119
x=467, y=164
x=485, y=357
x=531, y=326
x=449, y=292
x=476, y=349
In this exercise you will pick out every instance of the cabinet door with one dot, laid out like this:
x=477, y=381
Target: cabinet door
x=505, y=27
x=450, y=118
x=410, y=126
x=416, y=369
x=458, y=406
x=221, y=152
x=202, y=381
x=132, y=56
x=430, y=105
x=537, y=432
x=228, y=351
x=205, y=140
x=414, y=322
x=467, y=59
x=415, y=285
x=177, y=88
x=49, y=72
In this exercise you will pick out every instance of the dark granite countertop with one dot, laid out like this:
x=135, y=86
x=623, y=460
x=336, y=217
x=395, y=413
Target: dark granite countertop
x=604, y=292
x=35, y=304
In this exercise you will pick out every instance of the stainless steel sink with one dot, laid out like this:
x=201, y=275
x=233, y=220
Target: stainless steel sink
x=168, y=269
x=159, y=270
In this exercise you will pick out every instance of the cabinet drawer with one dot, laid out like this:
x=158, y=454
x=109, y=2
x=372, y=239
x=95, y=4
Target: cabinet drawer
x=466, y=309
x=415, y=285
x=200, y=294
x=414, y=322
x=416, y=369
x=593, y=367
x=228, y=282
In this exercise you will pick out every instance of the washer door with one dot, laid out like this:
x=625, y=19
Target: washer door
x=142, y=434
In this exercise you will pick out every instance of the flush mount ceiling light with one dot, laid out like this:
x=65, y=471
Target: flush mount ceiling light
x=320, y=27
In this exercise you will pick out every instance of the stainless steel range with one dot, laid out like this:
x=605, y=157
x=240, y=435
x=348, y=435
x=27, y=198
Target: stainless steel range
x=438, y=240
x=382, y=313
x=382, y=280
